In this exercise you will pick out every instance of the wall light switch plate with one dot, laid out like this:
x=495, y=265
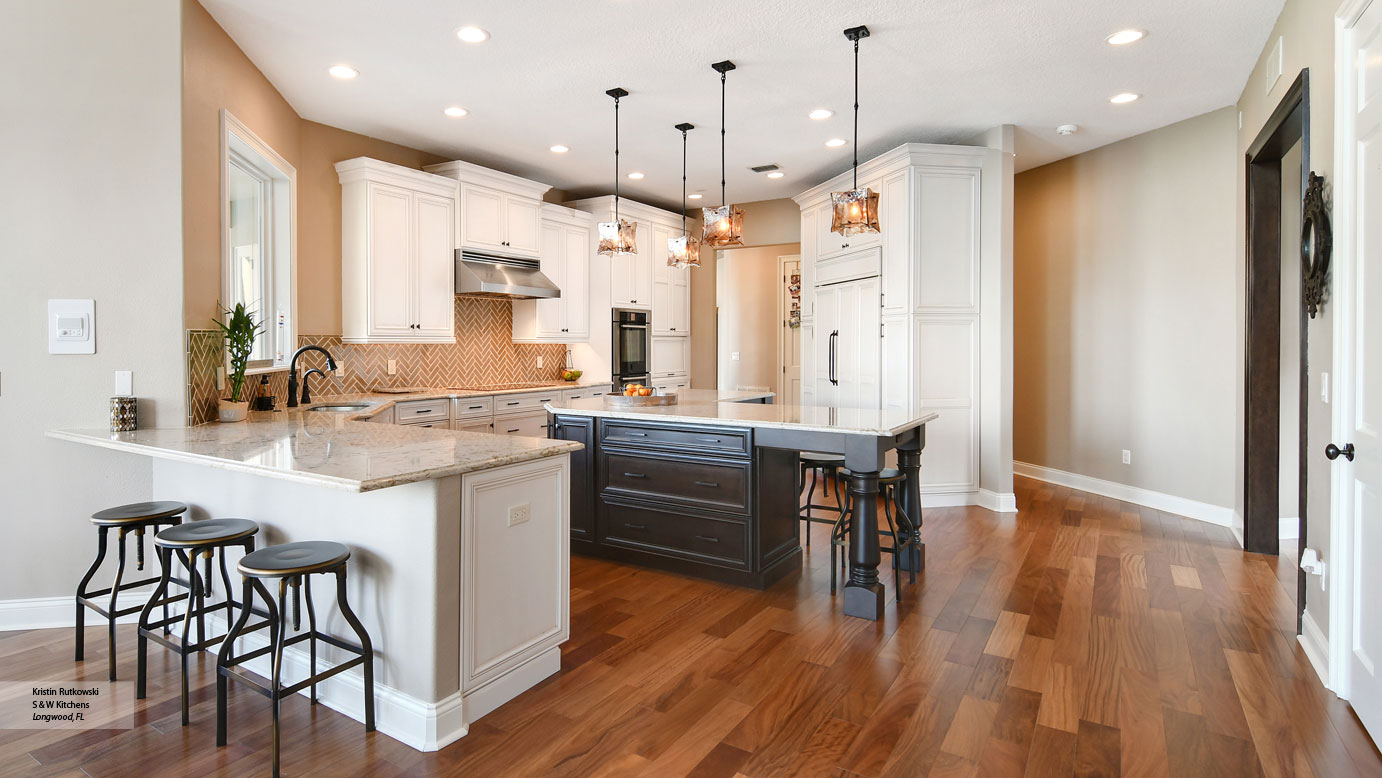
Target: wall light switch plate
x=539, y=361
x=520, y=514
x=124, y=383
x=734, y=355
x=1127, y=457
x=71, y=326
x=1324, y=387
x=392, y=367
x=220, y=378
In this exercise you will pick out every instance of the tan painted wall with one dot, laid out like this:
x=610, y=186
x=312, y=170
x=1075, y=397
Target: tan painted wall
x=747, y=292
x=217, y=75
x=90, y=143
x=1124, y=338
x=1307, y=30
x=766, y=222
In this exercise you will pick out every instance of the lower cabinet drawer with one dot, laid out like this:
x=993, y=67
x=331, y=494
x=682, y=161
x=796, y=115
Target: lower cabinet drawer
x=717, y=439
x=422, y=410
x=473, y=425
x=697, y=538
x=719, y=485
x=439, y=424
x=528, y=425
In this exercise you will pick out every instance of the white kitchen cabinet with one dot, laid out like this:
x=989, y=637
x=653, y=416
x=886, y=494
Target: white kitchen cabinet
x=673, y=384
x=528, y=425
x=671, y=288
x=473, y=425
x=670, y=357
x=397, y=239
x=831, y=244
x=847, y=344
x=565, y=246
x=631, y=275
x=498, y=213
x=635, y=280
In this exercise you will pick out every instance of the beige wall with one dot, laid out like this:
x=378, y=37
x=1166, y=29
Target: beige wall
x=91, y=146
x=1288, y=493
x=766, y=222
x=1307, y=30
x=1124, y=338
x=217, y=75
x=748, y=288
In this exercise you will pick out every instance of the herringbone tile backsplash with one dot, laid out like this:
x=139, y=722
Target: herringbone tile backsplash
x=484, y=353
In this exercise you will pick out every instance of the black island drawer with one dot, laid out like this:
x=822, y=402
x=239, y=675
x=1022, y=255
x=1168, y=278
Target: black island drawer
x=697, y=538
x=720, y=485
x=676, y=438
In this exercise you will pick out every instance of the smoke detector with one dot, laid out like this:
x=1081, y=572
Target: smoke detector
x=1067, y=129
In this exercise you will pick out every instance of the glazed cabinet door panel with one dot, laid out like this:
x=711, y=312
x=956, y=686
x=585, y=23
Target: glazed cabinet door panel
x=436, y=290
x=551, y=314
x=391, y=286
x=671, y=357
x=575, y=284
x=897, y=241
x=482, y=218
x=946, y=271
x=521, y=225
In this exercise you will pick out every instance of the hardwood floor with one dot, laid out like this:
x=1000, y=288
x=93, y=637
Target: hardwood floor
x=1081, y=637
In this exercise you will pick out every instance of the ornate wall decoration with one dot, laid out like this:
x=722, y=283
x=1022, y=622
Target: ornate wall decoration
x=1316, y=244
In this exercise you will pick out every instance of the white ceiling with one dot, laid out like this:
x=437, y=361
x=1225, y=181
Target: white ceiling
x=933, y=71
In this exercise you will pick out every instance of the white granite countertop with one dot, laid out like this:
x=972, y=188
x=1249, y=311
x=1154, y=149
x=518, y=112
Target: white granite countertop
x=732, y=409
x=328, y=449
x=382, y=401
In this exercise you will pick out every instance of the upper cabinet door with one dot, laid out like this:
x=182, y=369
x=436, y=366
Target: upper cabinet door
x=551, y=314
x=434, y=224
x=622, y=284
x=482, y=218
x=892, y=220
x=663, y=320
x=575, y=289
x=521, y=219
x=390, y=293
x=945, y=273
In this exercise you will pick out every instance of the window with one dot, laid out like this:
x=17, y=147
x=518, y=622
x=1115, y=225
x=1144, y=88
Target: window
x=259, y=240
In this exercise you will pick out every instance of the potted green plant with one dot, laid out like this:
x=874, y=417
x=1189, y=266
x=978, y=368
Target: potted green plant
x=239, y=330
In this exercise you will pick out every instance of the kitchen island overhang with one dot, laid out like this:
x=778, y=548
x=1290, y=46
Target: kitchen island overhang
x=720, y=431
x=466, y=608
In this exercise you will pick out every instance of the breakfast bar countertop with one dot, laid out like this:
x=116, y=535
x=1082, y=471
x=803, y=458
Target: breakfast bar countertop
x=326, y=449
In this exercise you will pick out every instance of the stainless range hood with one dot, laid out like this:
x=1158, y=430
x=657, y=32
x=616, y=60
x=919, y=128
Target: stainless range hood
x=489, y=275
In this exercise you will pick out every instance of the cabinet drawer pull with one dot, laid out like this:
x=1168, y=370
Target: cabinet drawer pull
x=635, y=526
x=708, y=440
x=637, y=434
x=708, y=484
x=707, y=539
x=515, y=429
x=475, y=408
x=635, y=475
x=512, y=402
x=421, y=411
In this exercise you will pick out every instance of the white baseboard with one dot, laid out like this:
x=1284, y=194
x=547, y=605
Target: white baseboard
x=1180, y=506
x=998, y=503
x=54, y=612
x=1289, y=528
x=1316, y=646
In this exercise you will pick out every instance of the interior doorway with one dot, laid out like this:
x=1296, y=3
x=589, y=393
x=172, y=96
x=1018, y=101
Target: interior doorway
x=1276, y=348
x=789, y=332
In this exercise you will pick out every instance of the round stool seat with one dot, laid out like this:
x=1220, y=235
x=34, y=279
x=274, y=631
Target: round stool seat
x=201, y=533
x=308, y=556
x=888, y=475
x=817, y=459
x=137, y=512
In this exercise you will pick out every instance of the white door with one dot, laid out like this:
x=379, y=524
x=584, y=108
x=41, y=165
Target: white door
x=435, y=266
x=1361, y=377
x=789, y=343
x=574, y=289
x=482, y=218
x=390, y=263
x=551, y=314
x=521, y=219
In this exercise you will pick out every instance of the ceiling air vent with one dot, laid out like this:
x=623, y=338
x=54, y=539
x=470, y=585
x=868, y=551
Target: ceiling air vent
x=763, y=168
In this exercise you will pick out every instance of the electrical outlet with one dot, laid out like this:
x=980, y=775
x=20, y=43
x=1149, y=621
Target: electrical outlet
x=1127, y=457
x=392, y=368
x=519, y=514
x=221, y=379
x=734, y=356
x=539, y=361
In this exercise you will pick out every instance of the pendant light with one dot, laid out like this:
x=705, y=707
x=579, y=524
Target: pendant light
x=855, y=210
x=618, y=236
x=724, y=226
x=684, y=252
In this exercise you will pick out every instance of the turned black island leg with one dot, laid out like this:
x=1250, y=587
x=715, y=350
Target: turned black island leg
x=863, y=592
x=909, y=462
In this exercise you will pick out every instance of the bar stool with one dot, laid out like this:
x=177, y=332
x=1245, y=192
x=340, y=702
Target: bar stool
x=136, y=518
x=905, y=537
x=192, y=541
x=823, y=466
x=292, y=564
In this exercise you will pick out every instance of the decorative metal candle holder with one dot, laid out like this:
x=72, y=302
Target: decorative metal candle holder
x=124, y=414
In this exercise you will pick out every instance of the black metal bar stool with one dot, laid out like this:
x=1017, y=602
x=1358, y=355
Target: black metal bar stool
x=292, y=564
x=905, y=537
x=191, y=541
x=135, y=517
x=824, y=467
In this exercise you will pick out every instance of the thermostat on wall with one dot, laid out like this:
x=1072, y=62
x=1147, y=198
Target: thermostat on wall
x=71, y=326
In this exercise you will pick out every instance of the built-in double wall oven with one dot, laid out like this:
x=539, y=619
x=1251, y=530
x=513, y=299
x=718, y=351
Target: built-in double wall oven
x=630, y=347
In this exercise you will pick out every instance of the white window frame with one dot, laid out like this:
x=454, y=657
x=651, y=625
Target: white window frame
x=278, y=311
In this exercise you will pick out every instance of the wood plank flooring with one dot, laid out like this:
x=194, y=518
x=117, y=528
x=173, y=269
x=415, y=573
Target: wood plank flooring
x=1080, y=637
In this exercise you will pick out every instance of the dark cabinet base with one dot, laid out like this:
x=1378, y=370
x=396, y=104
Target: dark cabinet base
x=697, y=500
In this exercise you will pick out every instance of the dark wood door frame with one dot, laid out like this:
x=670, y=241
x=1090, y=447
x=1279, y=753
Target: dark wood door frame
x=1290, y=122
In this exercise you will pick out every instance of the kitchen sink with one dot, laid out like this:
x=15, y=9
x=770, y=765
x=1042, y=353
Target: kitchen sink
x=342, y=408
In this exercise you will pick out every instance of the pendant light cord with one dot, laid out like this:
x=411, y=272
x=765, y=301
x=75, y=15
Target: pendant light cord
x=722, y=140
x=856, y=114
x=616, y=154
x=685, y=227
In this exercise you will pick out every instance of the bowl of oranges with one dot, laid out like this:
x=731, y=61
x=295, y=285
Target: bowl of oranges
x=639, y=395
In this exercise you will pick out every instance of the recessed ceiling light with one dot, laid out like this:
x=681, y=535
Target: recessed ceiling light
x=454, y=111
x=1124, y=37
x=559, y=149
x=635, y=175
x=693, y=197
x=471, y=34
x=343, y=72
x=1123, y=97
x=775, y=174
x=821, y=113
x=835, y=143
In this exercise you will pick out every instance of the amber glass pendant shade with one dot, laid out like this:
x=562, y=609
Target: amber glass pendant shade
x=618, y=237
x=683, y=252
x=856, y=211
x=724, y=226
